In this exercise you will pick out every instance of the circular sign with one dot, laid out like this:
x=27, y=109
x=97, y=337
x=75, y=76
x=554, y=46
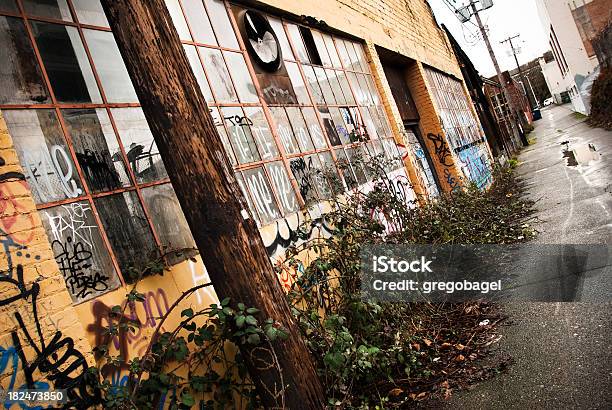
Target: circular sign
x=262, y=42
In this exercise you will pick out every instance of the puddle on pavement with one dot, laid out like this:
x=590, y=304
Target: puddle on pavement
x=580, y=155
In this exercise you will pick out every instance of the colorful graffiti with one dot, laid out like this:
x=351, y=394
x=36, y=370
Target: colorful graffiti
x=441, y=150
x=129, y=342
x=476, y=165
x=43, y=362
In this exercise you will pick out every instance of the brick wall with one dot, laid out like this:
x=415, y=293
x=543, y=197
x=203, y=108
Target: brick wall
x=395, y=119
x=37, y=319
x=431, y=127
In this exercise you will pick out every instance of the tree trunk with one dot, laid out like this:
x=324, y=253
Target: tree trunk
x=192, y=151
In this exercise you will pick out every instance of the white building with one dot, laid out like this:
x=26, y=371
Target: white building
x=554, y=79
x=569, y=27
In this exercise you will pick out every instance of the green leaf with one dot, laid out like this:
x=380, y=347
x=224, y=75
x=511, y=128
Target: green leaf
x=241, y=306
x=240, y=320
x=254, y=339
x=225, y=302
x=187, y=399
x=252, y=311
x=251, y=320
x=187, y=312
x=271, y=333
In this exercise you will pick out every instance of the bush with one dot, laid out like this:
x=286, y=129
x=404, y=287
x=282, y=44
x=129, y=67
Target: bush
x=601, y=109
x=386, y=354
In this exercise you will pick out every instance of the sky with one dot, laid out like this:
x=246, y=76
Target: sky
x=506, y=18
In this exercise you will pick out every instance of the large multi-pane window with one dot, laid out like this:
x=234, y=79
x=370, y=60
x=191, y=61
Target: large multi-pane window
x=463, y=131
x=91, y=161
x=88, y=156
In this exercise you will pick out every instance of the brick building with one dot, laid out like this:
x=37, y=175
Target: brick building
x=501, y=108
x=292, y=87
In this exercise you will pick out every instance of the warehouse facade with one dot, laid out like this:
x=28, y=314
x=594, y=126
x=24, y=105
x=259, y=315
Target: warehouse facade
x=86, y=200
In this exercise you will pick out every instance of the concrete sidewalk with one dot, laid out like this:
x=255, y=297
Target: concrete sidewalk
x=562, y=351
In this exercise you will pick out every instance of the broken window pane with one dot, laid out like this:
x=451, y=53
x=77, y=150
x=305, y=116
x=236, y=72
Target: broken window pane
x=178, y=19
x=279, y=30
x=218, y=75
x=43, y=154
x=66, y=63
x=372, y=89
x=361, y=58
x=325, y=86
x=140, y=149
x=79, y=250
x=368, y=99
x=218, y=121
x=96, y=149
x=284, y=130
x=282, y=186
x=345, y=58
x=331, y=49
x=357, y=89
x=21, y=80
x=318, y=138
x=247, y=196
x=332, y=76
x=128, y=232
x=196, y=66
x=304, y=170
x=297, y=82
x=350, y=123
x=328, y=178
x=261, y=132
x=90, y=12
x=321, y=49
x=242, y=77
x=369, y=123
x=344, y=86
x=330, y=128
x=300, y=129
x=262, y=196
x=198, y=21
x=313, y=84
x=241, y=138
x=52, y=9
x=341, y=127
x=345, y=167
x=298, y=44
x=221, y=24
x=110, y=67
x=357, y=158
x=168, y=220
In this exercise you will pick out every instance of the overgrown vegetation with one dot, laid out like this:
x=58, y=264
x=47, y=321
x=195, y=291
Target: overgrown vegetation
x=387, y=355
x=369, y=354
x=601, y=109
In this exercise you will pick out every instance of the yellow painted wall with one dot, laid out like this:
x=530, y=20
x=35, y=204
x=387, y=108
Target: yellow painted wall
x=406, y=27
x=40, y=331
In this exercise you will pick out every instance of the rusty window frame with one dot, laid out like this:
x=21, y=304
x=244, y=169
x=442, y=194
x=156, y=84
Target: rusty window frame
x=361, y=68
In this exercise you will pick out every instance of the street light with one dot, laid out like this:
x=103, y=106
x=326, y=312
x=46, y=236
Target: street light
x=465, y=13
x=486, y=4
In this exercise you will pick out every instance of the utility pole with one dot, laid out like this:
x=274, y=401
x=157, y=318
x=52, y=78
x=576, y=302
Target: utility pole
x=226, y=236
x=518, y=66
x=464, y=14
x=500, y=78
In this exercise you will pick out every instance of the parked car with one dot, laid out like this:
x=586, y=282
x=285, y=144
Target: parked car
x=548, y=101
